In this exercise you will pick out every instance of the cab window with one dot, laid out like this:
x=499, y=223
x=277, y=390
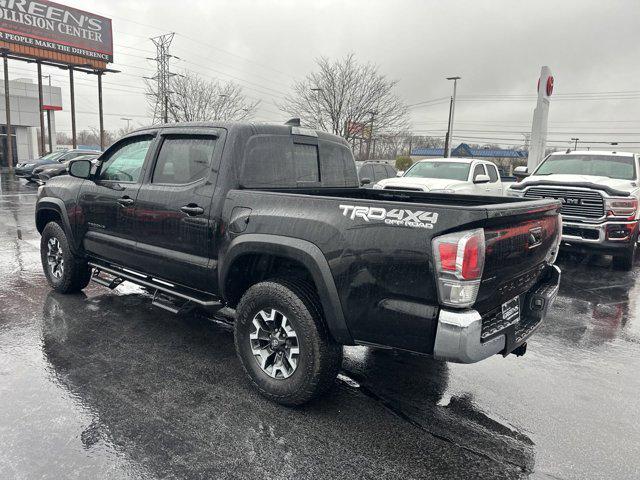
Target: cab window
x=493, y=173
x=124, y=164
x=478, y=170
x=366, y=172
x=184, y=159
x=379, y=172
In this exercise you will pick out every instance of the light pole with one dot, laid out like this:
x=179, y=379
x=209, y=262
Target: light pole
x=452, y=111
x=318, y=90
x=373, y=115
x=575, y=145
x=128, y=120
x=49, y=116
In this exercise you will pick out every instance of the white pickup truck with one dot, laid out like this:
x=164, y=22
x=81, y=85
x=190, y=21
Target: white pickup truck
x=599, y=192
x=448, y=175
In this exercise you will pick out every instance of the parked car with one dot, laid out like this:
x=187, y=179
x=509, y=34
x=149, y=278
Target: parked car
x=599, y=192
x=43, y=173
x=270, y=222
x=448, y=175
x=372, y=171
x=25, y=170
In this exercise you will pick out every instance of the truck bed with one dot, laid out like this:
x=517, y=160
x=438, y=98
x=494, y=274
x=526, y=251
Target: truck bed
x=382, y=268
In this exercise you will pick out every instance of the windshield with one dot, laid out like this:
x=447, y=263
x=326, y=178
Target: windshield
x=622, y=168
x=448, y=170
x=53, y=155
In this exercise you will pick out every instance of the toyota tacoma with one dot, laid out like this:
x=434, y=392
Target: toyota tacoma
x=269, y=224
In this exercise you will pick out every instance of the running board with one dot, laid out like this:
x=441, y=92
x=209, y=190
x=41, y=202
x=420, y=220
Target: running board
x=113, y=283
x=167, y=302
x=160, y=288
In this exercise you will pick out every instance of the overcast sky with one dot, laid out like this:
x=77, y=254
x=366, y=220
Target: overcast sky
x=497, y=47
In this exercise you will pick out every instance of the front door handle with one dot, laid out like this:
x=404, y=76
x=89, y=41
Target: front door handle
x=192, y=209
x=126, y=201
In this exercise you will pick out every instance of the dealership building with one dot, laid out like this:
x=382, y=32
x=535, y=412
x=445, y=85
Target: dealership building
x=25, y=119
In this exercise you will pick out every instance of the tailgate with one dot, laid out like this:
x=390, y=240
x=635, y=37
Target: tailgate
x=517, y=248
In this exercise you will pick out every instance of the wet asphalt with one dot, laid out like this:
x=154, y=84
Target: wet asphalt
x=104, y=385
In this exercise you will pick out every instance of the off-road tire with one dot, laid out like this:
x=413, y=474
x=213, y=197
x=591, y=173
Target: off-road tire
x=627, y=260
x=76, y=274
x=320, y=356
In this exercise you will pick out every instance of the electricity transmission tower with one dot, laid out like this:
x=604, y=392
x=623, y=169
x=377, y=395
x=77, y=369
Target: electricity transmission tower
x=162, y=77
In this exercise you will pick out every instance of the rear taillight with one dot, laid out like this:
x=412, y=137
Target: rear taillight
x=459, y=261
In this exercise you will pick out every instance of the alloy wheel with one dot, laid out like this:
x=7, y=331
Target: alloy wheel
x=274, y=343
x=55, y=259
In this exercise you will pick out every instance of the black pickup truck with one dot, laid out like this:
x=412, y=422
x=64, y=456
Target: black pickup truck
x=270, y=222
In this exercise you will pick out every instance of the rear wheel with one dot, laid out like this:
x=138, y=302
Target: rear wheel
x=283, y=343
x=65, y=272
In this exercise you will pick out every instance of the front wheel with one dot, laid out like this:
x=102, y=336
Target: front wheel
x=65, y=272
x=627, y=260
x=283, y=343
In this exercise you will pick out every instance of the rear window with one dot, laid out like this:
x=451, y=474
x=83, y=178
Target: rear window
x=337, y=165
x=622, y=168
x=284, y=161
x=305, y=161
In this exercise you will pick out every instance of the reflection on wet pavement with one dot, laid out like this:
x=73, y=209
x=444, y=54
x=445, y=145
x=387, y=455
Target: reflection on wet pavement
x=104, y=385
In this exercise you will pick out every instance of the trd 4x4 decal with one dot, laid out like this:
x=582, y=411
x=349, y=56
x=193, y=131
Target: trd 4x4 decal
x=399, y=217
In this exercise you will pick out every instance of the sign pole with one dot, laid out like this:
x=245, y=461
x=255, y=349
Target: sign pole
x=100, y=110
x=40, y=103
x=49, y=130
x=539, y=127
x=74, y=139
x=7, y=104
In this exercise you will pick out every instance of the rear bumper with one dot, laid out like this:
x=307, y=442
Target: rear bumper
x=459, y=333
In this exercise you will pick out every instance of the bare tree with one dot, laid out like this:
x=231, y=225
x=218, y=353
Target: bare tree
x=347, y=98
x=63, y=138
x=194, y=99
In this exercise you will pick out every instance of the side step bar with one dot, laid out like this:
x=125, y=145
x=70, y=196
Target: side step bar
x=113, y=283
x=164, y=295
x=168, y=303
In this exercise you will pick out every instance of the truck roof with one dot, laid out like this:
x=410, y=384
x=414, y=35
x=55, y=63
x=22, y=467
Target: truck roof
x=596, y=152
x=453, y=159
x=254, y=128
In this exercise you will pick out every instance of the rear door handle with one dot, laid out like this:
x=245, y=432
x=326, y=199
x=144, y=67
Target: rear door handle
x=192, y=209
x=126, y=201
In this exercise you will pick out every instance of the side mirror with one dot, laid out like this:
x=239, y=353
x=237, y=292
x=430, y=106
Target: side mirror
x=520, y=173
x=365, y=181
x=400, y=173
x=80, y=168
x=481, y=179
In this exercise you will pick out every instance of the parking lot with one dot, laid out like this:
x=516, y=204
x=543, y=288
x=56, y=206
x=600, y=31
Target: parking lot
x=104, y=385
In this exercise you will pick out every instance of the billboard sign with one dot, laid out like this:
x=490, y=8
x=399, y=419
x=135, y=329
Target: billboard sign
x=47, y=25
